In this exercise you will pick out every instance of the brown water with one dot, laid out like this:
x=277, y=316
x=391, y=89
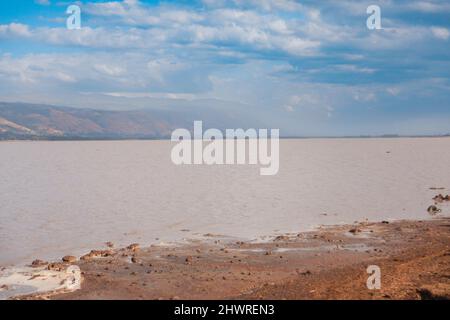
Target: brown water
x=59, y=198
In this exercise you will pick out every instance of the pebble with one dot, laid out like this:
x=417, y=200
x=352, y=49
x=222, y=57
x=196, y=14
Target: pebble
x=133, y=246
x=433, y=210
x=69, y=259
x=354, y=230
x=38, y=263
x=281, y=238
x=440, y=198
x=56, y=266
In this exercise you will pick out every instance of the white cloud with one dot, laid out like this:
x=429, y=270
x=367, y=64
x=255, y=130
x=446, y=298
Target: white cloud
x=354, y=69
x=440, y=33
x=109, y=70
x=43, y=2
x=156, y=95
x=64, y=77
x=289, y=108
x=393, y=91
x=429, y=6
x=230, y=29
x=15, y=30
x=364, y=95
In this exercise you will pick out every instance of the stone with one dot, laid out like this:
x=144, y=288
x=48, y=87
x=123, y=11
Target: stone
x=281, y=238
x=101, y=253
x=208, y=235
x=38, y=263
x=438, y=291
x=69, y=259
x=306, y=273
x=86, y=257
x=440, y=198
x=133, y=247
x=433, y=210
x=56, y=266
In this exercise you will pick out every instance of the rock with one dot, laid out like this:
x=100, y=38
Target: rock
x=97, y=254
x=440, y=198
x=69, y=259
x=134, y=259
x=306, y=273
x=433, y=210
x=133, y=247
x=354, y=230
x=56, y=266
x=101, y=253
x=385, y=222
x=438, y=291
x=281, y=238
x=87, y=257
x=38, y=263
x=209, y=235
x=188, y=260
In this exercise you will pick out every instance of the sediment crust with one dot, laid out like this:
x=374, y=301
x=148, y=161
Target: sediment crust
x=329, y=263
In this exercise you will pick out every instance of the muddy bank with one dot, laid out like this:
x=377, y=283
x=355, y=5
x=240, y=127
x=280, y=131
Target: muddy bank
x=330, y=263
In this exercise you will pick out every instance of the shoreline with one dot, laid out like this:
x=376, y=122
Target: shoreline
x=328, y=263
x=206, y=238
x=387, y=137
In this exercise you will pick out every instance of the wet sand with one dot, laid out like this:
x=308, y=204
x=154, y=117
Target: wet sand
x=329, y=263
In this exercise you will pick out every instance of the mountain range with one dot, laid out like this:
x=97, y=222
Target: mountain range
x=46, y=122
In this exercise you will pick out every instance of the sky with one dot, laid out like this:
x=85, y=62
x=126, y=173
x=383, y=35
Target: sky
x=309, y=68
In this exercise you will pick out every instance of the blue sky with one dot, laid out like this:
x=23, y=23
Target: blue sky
x=306, y=67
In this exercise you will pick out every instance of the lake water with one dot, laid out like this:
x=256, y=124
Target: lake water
x=59, y=198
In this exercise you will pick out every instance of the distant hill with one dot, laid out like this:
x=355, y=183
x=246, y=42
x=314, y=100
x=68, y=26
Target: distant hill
x=44, y=122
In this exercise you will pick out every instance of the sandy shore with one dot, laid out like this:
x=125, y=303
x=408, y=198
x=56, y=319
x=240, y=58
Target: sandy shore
x=330, y=263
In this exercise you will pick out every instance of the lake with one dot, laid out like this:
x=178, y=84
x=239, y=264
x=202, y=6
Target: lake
x=59, y=198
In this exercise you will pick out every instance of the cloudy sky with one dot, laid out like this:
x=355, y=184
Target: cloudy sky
x=306, y=67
